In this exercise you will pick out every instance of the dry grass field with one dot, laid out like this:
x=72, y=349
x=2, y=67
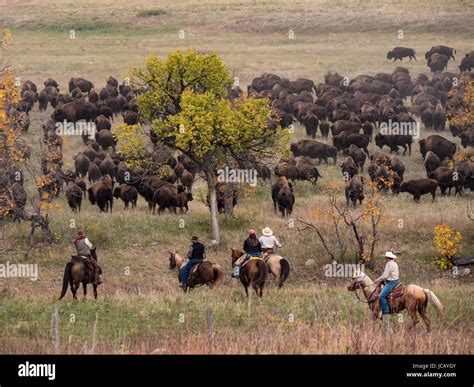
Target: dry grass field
x=140, y=308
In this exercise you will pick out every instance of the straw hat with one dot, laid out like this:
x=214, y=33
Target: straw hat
x=390, y=255
x=267, y=231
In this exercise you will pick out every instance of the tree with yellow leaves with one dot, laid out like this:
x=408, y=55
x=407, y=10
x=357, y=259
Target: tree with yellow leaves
x=448, y=242
x=187, y=107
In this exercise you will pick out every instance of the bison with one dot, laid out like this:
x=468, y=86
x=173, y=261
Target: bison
x=420, y=187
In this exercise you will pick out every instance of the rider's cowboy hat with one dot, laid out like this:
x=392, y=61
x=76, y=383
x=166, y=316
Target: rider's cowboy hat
x=390, y=255
x=267, y=231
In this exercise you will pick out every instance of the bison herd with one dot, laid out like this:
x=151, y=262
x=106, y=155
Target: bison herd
x=347, y=114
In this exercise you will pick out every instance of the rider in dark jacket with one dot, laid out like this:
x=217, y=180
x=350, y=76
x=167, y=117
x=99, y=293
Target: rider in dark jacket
x=196, y=254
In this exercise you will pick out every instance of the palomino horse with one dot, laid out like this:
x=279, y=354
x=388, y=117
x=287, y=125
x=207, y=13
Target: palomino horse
x=76, y=273
x=278, y=266
x=414, y=299
x=254, y=273
x=204, y=273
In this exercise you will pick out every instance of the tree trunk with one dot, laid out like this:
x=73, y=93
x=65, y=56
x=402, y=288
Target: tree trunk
x=229, y=192
x=213, y=204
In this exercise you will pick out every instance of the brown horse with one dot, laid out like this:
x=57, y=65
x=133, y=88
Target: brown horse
x=254, y=273
x=414, y=299
x=204, y=273
x=75, y=273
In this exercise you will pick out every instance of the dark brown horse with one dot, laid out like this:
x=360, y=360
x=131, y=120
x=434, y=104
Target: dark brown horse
x=254, y=273
x=75, y=273
x=414, y=299
x=204, y=273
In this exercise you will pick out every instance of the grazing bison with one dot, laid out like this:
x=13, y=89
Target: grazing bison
x=448, y=178
x=355, y=190
x=314, y=149
x=165, y=197
x=443, y=50
x=101, y=193
x=420, y=187
x=282, y=195
x=467, y=63
x=74, y=196
x=438, y=62
x=93, y=172
x=397, y=166
x=440, y=146
x=105, y=139
x=310, y=122
x=345, y=139
x=400, y=53
x=357, y=155
x=81, y=164
x=84, y=85
x=130, y=117
x=182, y=199
x=431, y=162
x=394, y=141
x=127, y=193
x=349, y=168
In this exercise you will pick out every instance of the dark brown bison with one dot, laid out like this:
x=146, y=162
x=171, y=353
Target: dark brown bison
x=107, y=167
x=74, y=196
x=51, y=82
x=165, y=197
x=101, y=193
x=357, y=155
x=102, y=122
x=127, y=193
x=282, y=195
x=84, y=85
x=400, y=53
x=439, y=118
x=344, y=125
x=448, y=178
x=467, y=63
x=397, y=166
x=93, y=172
x=81, y=164
x=345, y=139
x=440, y=146
x=310, y=122
x=444, y=50
x=187, y=179
x=105, y=139
x=438, y=62
x=394, y=141
x=349, y=168
x=75, y=111
x=420, y=187
x=431, y=162
x=182, y=199
x=355, y=190
x=130, y=117
x=314, y=149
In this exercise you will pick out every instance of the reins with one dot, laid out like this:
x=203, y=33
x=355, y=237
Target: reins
x=371, y=294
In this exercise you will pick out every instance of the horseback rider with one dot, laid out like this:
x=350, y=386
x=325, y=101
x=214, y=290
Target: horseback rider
x=86, y=250
x=196, y=254
x=391, y=277
x=269, y=242
x=252, y=248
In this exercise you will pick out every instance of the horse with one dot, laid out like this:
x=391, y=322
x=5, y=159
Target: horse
x=414, y=299
x=204, y=273
x=75, y=273
x=253, y=273
x=279, y=267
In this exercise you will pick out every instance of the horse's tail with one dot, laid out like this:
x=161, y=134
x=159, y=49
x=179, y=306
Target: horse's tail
x=285, y=271
x=218, y=274
x=435, y=301
x=66, y=279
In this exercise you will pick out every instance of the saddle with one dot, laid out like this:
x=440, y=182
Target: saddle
x=252, y=258
x=394, y=298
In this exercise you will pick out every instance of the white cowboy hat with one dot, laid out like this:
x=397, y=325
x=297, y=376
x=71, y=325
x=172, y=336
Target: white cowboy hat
x=390, y=255
x=267, y=231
